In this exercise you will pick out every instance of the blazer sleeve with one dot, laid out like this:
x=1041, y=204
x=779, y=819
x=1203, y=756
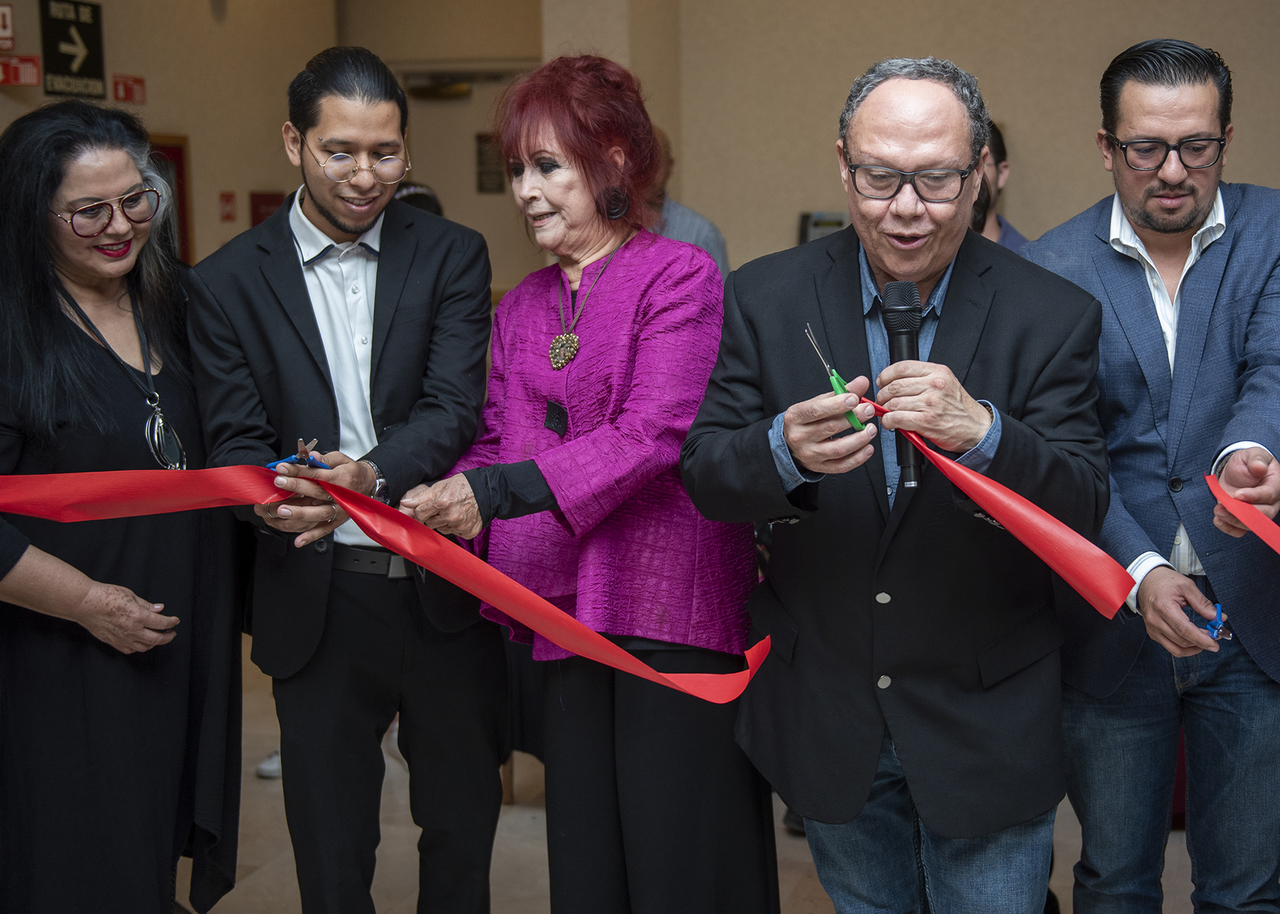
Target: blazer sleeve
x=726, y=463
x=1255, y=415
x=236, y=428
x=1054, y=453
x=442, y=423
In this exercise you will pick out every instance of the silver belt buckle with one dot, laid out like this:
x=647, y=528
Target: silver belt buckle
x=398, y=567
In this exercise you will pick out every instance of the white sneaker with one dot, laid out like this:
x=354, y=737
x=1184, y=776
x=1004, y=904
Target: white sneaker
x=269, y=767
x=391, y=743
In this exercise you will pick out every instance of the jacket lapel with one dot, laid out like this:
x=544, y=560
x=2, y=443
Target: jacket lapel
x=283, y=273
x=1199, y=294
x=1129, y=298
x=843, y=335
x=394, y=259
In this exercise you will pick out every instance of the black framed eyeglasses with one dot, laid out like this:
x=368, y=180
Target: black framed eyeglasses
x=1150, y=155
x=934, y=185
x=91, y=221
x=341, y=167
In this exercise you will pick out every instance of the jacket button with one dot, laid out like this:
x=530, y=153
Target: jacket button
x=883, y=682
x=1175, y=484
x=322, y=545
x=883, y=597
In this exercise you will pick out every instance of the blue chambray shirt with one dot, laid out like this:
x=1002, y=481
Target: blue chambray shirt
x=978, y=459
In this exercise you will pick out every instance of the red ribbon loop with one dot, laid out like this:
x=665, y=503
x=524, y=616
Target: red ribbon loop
x=1091, y=572
x=128, y=493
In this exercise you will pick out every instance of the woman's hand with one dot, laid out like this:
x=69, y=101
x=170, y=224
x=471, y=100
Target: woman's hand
x=448, y=507
x=113, y=614
x=119, y=617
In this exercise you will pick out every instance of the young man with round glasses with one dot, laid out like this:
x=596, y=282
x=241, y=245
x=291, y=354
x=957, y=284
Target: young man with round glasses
x=1188, y=272
x=363, y=322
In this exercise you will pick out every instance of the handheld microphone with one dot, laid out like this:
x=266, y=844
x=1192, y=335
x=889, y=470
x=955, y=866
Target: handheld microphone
x=901, y=311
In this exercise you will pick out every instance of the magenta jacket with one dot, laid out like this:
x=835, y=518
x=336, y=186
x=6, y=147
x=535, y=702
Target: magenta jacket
x=627, y=553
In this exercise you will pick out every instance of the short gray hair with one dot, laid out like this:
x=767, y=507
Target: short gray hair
x=962, y=83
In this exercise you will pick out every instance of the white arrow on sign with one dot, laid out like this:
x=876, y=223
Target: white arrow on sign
x=75, y=48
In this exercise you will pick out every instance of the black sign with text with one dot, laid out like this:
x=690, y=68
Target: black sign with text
x=71, y=36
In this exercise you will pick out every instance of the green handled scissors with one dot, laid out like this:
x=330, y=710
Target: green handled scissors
x=837, y=382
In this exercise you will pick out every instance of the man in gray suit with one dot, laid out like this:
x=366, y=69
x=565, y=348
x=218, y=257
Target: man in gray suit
x=1188, y=273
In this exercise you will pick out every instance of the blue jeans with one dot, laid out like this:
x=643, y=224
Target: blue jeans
x=887, y=862
x=1121, y=755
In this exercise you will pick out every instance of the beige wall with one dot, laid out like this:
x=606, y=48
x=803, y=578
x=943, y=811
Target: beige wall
x=216, y=72
x=429, y=30
x=763, y=84
x=749, y=90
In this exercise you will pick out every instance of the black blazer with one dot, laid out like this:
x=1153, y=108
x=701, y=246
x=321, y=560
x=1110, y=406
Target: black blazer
x=262, y=380
x=927, y=619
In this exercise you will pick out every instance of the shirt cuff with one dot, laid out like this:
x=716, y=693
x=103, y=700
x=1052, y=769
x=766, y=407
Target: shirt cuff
x=979, y=457
x=1138, y=569
x=1231, y=449
x=792, y=476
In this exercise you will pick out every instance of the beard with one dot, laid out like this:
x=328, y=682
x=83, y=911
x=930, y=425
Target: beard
x=1164, y=224
x=348, y=228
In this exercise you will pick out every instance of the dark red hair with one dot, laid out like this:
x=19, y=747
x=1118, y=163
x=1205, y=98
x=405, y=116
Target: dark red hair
x=591, y=104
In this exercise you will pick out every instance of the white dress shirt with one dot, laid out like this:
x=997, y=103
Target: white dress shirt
x=341, y=279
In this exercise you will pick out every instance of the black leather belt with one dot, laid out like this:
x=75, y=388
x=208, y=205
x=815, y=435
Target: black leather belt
x=364, y=560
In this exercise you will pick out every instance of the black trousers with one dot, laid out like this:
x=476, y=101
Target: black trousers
x=378, y=656
x=651, y=806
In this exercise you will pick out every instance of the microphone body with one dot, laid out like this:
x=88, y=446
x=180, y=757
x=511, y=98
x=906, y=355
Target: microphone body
x=901, y=311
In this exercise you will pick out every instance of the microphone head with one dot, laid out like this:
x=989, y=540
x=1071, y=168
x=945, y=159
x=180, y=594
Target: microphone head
x=901, y=306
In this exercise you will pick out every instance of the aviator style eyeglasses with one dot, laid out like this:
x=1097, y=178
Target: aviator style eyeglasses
x=92, y=220
x=341, y=167
x=1150, y=155
x=936, y=185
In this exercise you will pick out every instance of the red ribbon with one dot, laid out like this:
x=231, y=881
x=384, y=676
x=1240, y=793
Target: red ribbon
x=1091, y=572
x=1246, y=513
x=128, y=493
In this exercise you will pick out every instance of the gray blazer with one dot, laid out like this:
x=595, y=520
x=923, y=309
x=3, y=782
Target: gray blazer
x=1163, y=432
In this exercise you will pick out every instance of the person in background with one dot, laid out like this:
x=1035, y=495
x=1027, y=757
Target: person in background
x=363, y=322
x=119, y=639
x=421, y=196
x=913, y=641
x=1188, y=272
x=678, y=221
x=599, y=362
x=987, y=220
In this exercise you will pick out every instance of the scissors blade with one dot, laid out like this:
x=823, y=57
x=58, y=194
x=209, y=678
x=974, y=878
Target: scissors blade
x=808, y=332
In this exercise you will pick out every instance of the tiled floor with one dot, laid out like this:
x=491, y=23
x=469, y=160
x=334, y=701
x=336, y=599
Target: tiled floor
x=267, y=883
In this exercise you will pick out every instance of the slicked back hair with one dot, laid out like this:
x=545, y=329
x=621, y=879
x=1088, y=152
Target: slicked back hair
x=347, y=72
x=1164, y=62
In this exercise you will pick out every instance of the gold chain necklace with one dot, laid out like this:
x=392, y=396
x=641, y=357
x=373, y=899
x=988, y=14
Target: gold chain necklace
x=565, y=346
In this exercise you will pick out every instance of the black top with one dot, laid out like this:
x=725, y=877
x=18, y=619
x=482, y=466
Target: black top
x=112, y=764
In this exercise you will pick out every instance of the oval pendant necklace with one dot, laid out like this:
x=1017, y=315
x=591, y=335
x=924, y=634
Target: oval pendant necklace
x=166, y=446
x=565, y=346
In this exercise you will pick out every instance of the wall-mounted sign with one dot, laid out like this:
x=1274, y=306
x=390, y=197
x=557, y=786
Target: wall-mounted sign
x=19, y=71
x=129, y=89
x=490, y=178
x=227, y=206
x=262, y=203
x=6, y=26
x=71, y=35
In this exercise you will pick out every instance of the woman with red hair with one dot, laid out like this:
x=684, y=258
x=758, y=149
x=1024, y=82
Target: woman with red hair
x=599, y=365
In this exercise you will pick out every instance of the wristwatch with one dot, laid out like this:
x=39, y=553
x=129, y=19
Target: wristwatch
x=379, y=483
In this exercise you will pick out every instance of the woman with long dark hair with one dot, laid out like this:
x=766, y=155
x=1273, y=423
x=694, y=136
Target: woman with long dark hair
x=119, y=657
x=599, y=364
